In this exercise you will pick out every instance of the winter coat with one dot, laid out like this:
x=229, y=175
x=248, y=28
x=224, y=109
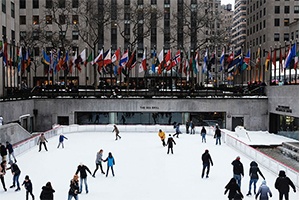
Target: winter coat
x=15, y=169
x=116, y=130
x=3, y=150
x=74, y=188
x=170, y=142
x=282, y=183
x=98, y=158
x=206, y=159
x=263, y=191
x=253, y=172
x=83, y=169
x=238, y=168
x=2, y=169
x=110, y=161
x=162, y=135
x=177, y=128
x=47, y=193
x=42, y=139
x=61, y=138
x=233, y=188
x=203, y=131
x=9, y=148
x=28, y=185
x=217, y=133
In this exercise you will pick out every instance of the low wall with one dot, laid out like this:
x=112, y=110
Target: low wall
x=13, y=133
x=263, y=159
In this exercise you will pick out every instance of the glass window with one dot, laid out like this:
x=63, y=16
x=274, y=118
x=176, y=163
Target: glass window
x=48, y=19
x=49, y=3
x=4, y=6
x=286, y=9
x=296, y=9
x=277, y=9
x=49, y=35
x=35, y=35
x=75, y=19
x=35, y=19
x=286, y=36
x=22, y=4
x=75, y=35
x=276, y=36
x=276, y=22
x=127, y=2
x=35, y=4
x=23, y=20
x=23, y=35
x=62, y=19
x=12, y=5
x=61, y=3
x=62, y=34
x=286, y=22
x=75, y=3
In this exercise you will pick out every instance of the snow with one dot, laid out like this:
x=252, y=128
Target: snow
x=143, y=170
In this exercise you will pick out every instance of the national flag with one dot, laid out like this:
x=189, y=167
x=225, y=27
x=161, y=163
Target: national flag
x=296, y=63
x=267, y=61
x=5, y=56
x=280, y=61
x=107, y=58
x=168, y=59
x=175, y=60
x=1, y=48
x=222, y=58
x=72, y=62
x=20, y=59
x=65, y=63
x=290, y=56
x=116, y=56
x=132, y=61
x=257, y=63
x=236, y=60
x=53, y=60
x=123, y=61
x=83, y=55
x=154, y=61
x=143, y=65
x=60, y=61
x=98, y=58
x=160, y=60
x=205, y=62
x=89, y=59
x=247, y=58
x=196, y=64
x=230, y=58
x=274, y=58
x=27, y=60
x=78, y=60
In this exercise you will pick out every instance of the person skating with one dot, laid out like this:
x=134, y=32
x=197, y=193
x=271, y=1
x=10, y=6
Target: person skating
x=206, y=161
x=192, y=125
x=234, y=190
x=238, y=170
x=177, y=130
x=74, y=188
x=82, y=169
x=15, y=170
x=116, y=130
x=2, y=173
x=170, y=143
x=187, y=125
x=218, y=135
x=99, y=162
x=263, y=191
x=110, y=163
x=282, y=184
x=203, y=134
x=10, y=150
x=42, y=141
x=253, y=173
x=47, y=192
x=61, y=140
x=28, y=187
x=162, y=136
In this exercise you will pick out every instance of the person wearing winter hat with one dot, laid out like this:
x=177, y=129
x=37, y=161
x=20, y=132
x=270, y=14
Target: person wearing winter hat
x=238, y=170
x=282, y=184
x=28, y=186
x=253, y=173
x=234, y=190
x=206, y=160
x=170, y=142
x=47, y=192
x=264, y=191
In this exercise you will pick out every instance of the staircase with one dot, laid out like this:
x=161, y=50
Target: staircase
x=290, y=149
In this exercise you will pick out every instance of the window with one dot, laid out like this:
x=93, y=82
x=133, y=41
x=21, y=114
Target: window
x=127, y=2
x=13, y=35
x=277, y=9
x=75, y=35
x=61, y=3
x=140, y=2
x=49, y=35
x=75, y=3
x=23, y=20
x=48, y=19
x=22, y=4
x=296, y=9
x=62, y=19
x=36, y=51
x=35, y=35
x=286, y=36
x=276, y=22
x=35, y=19
x=62, y=34
x=75, y=19
x=286, y=9
x=23, y=35
x=153, y=2
x=12, y=5
x=49, y=3
x=286, y=22
x=276, y=36
x=35, y=4
x=4, y=6
x=4, y=31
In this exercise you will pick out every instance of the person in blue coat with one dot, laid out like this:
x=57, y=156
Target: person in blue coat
x=263, y=192
x=110, y=163
x=61, y=140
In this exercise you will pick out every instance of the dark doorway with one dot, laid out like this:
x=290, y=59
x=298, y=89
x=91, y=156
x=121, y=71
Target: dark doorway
x=63, y=120
x=237, y=121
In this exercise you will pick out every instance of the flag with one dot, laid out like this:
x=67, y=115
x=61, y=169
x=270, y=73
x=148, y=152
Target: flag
x=5, y=56
x=168, y=59
x=196, y=64
x=27, y=61
x=1, y=48
x=98, y=58
x=267, y=62
x=205, y=62
x=222, y=58
x=83, y=55
x=143, y=65
x=123, y=61
x=116, y=56
x=274, y=58
x=60, y=61
x=247, y=57
x=292, y=53
x=280, y=61
x=236, y=60
x=296, y=63
x=53, y=60
x=20, y=59
x=107, y=58
x=257, y=64
x=246, y=61
x=175, y=60
x=132, y=61
x=89, y=59
x=78, y=60
x=154, y=61
x=65, y=63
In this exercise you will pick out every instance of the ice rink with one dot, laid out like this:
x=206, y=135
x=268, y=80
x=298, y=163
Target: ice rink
x=143, y=170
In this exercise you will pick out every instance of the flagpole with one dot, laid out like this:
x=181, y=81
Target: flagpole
x=86, y=76
x=280, y=62
x=295, y=66
x=290, y=68
x=270, y=66
x=284, y=69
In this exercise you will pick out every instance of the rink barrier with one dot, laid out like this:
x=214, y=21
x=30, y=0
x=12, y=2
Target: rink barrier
x=266, y=161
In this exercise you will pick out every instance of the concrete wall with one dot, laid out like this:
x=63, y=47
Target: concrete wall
x=254, y=110
x=13, y=133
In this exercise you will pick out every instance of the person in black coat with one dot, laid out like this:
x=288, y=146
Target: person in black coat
x=82, y=169
x=74, y=188
x=47, y=192
x=238, y=170
x=203, y=134
x=2, y=173
x=282, y=184
x=3, y=151
x=206, y=160
x=10, y=150
x=253, y=173
x=218, y=135
x=234, y=190
x=28, y=186
x=15, y=170
x=170, y=142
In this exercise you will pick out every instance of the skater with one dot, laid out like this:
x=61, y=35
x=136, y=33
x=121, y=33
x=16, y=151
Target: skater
x=203, y=134
x=218, y=135
x=97, y=120
x=82, y=169
x=263, y=191
x=28, y=187
x=110, y=163
x=234, y=190
x=187, y=125
x=10, y=150
x=47, y=192
x=15, y=170
x=170, y=144
x=206, y=160
x=238, y=170
x=162, y=136
x=42, y=141
x=99, y=162
x=253, y=173
x=74, y=188
x=61, y=140
x=192, y=125
x=1, y=120
x=282, y=184
x=2, y=173
x=177, y=131
x=3, y=152
x=116, y=130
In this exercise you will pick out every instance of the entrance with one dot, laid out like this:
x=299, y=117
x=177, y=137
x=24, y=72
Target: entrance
x=237, y=121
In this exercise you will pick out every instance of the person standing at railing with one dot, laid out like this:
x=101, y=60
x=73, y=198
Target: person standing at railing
x=218, y=135
x=282, y=184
